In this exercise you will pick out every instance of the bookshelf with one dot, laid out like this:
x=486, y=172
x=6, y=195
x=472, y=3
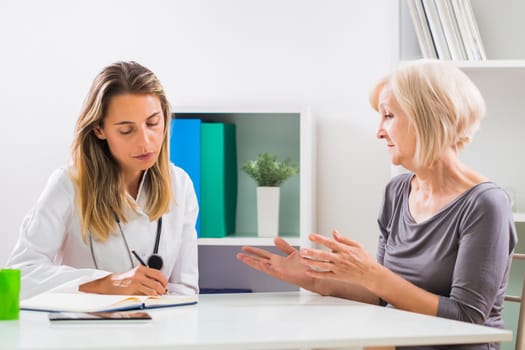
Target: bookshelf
x=287, y=132
x=500, y=25
x=497, y=147
x=501, y=79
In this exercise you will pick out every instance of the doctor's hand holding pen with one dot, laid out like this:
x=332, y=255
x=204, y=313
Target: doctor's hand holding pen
x=140, y=280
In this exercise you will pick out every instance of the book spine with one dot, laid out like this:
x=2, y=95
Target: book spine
x=436, y=28
x=422, y=29
x=464, y=29
x=449, y=29
x=185, y=152
x=471, y=19
x=218, y=179
x=456, y=29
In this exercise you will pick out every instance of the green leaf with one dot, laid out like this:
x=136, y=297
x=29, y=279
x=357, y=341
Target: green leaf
x=268, y=171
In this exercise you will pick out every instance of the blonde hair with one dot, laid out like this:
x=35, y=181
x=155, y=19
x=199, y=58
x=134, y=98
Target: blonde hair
x=100, y=195
x=441, y=103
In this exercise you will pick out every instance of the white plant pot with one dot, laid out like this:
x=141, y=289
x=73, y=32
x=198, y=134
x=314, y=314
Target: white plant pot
x=268, y=211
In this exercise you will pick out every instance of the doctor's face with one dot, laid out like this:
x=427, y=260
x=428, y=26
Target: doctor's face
x=395, y=129
x=134, y=130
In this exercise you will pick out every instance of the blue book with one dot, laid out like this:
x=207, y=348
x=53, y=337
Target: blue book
x=185, y=151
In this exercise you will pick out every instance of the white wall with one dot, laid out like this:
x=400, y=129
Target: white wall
x=325, y=54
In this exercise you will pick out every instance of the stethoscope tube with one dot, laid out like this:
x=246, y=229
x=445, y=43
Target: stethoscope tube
x=154, y=261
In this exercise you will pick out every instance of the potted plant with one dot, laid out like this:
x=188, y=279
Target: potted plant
x=269, y=173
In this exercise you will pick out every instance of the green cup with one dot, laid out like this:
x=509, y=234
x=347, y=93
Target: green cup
x=9, y=294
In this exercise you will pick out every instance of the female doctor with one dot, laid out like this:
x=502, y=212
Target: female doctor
x=120, y=219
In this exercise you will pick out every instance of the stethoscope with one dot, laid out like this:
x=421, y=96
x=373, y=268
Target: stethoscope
x=154, y=261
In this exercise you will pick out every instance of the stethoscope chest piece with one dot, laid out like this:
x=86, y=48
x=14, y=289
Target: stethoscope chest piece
x=155, y=261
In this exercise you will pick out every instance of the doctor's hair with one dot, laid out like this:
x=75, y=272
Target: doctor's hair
x=96, y=174
x=441, y=103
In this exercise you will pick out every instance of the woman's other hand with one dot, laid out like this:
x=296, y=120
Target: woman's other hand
x=287, y=268
x=346, y=260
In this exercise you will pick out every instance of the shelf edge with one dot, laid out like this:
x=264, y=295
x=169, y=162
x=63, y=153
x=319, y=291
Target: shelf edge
x=518, y=217
x=240, y=241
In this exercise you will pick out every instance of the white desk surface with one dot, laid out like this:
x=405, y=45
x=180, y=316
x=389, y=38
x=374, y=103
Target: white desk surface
x=251, y=321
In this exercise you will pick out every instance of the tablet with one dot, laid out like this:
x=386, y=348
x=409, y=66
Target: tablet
x=104, y=317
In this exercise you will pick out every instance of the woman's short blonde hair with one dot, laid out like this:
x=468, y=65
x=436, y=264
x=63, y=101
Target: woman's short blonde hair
x=441, y=103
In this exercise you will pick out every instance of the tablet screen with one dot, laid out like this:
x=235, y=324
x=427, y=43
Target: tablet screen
x=82, y=317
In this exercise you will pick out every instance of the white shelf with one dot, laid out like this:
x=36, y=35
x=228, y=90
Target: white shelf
x=287, y=131
x=500, y=29
x=241, y=109
x=484, y=65
x=519, y=217
x=242, y=241
x=491, y=64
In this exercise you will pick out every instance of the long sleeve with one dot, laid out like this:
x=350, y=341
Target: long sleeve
x=51, y=253
x=485, y=247
x=462, y=253
x=42, y=233
x=184, y=276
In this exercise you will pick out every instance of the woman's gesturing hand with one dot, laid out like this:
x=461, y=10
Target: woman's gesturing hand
x=287, y=268
x=140, y=280
x=346, y=261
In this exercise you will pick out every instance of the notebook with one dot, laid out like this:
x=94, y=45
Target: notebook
x=88, y=302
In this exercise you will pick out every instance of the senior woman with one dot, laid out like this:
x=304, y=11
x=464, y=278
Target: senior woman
x=446, y=233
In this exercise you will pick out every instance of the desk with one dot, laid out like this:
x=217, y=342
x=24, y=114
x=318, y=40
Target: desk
x=290, y=320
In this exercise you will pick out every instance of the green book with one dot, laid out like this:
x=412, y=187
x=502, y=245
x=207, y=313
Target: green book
x=218, y=204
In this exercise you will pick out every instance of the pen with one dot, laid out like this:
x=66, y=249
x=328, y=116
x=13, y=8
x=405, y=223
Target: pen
x=138, y=258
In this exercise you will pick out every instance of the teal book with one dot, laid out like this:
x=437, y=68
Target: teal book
x=218, y=204
x=185, y=151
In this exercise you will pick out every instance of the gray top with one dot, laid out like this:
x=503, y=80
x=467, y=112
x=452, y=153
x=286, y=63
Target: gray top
x=462, y=253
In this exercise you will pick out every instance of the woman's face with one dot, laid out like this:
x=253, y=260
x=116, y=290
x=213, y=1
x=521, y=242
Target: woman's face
x=134, y=130
x=395, y=129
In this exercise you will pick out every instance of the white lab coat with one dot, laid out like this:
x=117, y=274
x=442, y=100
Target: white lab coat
x=51, y=254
